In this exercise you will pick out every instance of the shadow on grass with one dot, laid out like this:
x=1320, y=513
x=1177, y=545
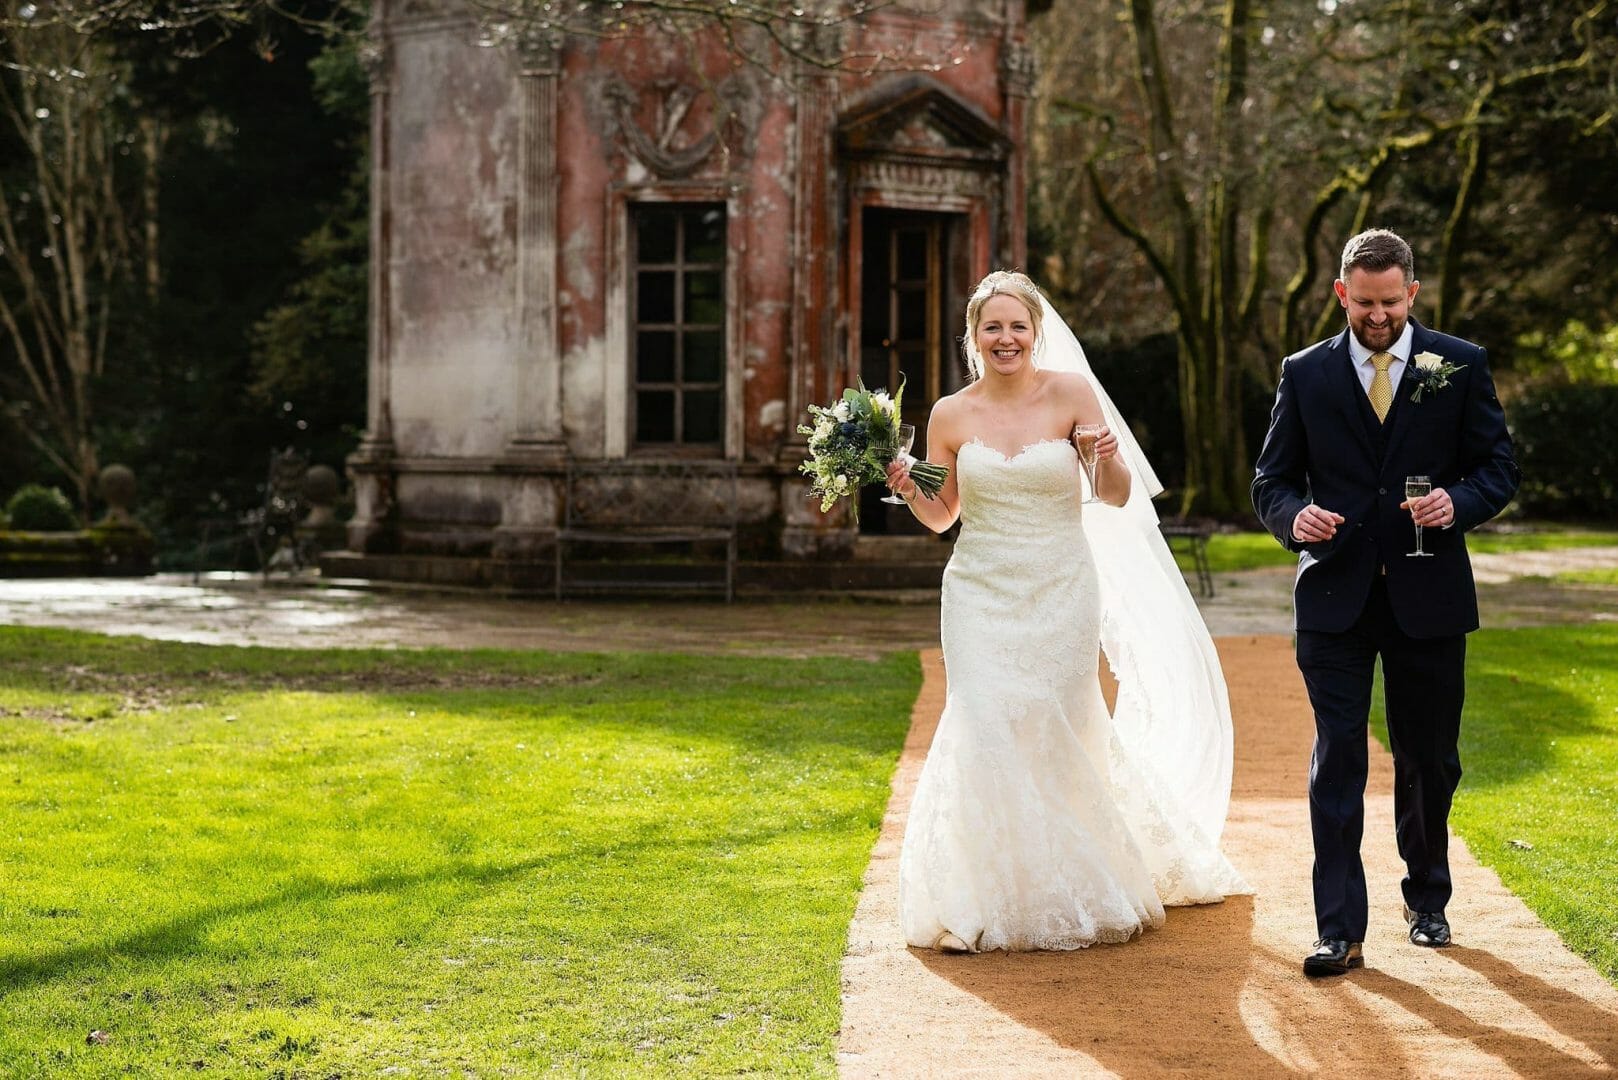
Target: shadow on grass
x=617, y=858
x=1513, y=715
x=745, y=700
x=181, y=935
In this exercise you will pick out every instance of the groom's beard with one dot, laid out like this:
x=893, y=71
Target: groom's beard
x=1378, y=340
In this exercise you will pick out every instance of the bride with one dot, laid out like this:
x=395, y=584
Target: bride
x=1041, y=821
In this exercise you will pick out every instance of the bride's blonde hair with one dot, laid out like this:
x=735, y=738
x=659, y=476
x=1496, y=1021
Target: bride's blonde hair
x=1012, y=283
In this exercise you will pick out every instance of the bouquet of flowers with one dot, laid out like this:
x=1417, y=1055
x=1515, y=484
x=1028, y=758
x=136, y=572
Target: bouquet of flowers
x=851, y=442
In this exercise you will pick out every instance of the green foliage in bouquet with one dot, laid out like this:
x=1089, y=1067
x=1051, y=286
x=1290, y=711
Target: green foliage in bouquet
x=851, y=442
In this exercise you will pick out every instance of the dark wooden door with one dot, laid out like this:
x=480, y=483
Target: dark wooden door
x=906, y=296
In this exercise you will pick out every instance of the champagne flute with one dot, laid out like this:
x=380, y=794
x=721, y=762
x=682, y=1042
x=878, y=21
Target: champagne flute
x=901, y=448
x=1415, y=488
x=1085, y=438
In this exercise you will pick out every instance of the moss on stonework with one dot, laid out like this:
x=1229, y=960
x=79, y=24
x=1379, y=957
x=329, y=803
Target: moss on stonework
x=105, y=548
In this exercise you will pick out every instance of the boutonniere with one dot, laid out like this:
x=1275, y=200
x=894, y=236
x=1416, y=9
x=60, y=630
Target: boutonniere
x=1430, y=371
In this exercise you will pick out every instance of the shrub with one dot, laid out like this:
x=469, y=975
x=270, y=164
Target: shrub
x=1569, y=461
x=35, y=508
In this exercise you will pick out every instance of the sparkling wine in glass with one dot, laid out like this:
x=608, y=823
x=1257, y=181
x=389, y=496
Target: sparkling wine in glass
x=1415, y=488
x=906, y=439
x=1085, y=437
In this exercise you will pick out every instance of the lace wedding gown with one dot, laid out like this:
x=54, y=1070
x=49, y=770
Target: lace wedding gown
x=1034, y=826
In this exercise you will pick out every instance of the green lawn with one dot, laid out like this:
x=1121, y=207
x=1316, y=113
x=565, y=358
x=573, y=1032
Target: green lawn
x=265, y=862
x=1229, y=552
x=1540, y=539
x=1539, y=799
x=1608, y=576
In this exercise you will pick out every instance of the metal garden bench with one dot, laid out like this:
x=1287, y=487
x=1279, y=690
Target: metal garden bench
x=636, y=509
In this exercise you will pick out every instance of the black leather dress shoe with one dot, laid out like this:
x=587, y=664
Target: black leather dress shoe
x=1428, y=929
x=1333, y=956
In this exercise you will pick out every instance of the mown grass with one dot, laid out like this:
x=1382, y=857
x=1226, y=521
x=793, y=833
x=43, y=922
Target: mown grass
x=1608, y=576
x=262, y=862
x=1228, y=552
x=1540, y=538
x=1539, y=746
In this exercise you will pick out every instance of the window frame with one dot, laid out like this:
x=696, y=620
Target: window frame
x=681, y=267
x=600, y=371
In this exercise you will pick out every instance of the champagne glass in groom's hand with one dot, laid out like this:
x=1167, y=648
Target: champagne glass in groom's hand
x=1417, y=487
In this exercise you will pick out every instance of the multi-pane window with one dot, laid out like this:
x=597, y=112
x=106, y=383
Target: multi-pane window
x=679, y=324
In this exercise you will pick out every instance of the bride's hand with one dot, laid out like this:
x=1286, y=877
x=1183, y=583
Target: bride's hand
x=899, y=481
x=1106, y=445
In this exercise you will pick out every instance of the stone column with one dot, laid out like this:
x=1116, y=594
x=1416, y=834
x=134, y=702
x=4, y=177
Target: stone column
x=539, y=361
x=1017, y=70
x=371, y=466
x=537, y=453
x=817, y=360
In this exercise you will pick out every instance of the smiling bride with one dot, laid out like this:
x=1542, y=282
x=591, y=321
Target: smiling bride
x=1041, y=820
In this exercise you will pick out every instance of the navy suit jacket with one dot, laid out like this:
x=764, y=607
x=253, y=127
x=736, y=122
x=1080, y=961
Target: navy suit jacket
x=1325, y=446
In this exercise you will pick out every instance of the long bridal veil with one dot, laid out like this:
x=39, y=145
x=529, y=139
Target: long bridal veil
x=1173, y=709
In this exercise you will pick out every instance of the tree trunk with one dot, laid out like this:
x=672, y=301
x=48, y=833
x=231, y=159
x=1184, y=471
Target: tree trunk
x=1453, y=244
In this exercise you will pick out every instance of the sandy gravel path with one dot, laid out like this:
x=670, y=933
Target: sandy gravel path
x=1218, y=991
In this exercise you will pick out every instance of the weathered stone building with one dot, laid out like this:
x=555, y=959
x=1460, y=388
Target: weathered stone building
x=640, y=249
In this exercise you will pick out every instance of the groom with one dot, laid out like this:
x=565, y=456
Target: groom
x=1354, y=416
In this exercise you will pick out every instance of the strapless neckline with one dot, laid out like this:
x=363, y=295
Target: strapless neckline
x=1008, y=459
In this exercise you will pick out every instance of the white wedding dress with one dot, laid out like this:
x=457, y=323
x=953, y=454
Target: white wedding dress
x=1037, y=823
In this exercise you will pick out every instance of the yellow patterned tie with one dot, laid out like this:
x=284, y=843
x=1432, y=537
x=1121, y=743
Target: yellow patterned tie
x=1381, y=385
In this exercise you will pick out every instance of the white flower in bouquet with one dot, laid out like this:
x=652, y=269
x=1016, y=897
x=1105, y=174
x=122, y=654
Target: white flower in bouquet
x=851, y=442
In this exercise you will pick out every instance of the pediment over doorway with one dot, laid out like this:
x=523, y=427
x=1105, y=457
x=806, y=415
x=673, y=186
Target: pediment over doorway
x=919, y=118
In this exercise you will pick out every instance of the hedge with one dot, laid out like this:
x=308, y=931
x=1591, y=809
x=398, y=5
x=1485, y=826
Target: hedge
x=1567, y=445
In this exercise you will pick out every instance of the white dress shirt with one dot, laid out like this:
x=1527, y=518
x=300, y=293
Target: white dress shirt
x=1367, y=370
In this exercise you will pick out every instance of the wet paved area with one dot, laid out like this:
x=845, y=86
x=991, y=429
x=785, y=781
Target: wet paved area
x=308, y=612
x=225, y=609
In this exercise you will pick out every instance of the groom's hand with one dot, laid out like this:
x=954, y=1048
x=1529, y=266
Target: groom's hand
x=1435, y=510
x=1315, y=524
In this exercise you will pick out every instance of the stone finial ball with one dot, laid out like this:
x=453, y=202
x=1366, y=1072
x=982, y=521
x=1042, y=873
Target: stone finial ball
x=320, y=485
x=117, y=485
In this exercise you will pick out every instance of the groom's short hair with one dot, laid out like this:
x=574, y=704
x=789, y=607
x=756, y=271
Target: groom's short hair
x=1377, y=250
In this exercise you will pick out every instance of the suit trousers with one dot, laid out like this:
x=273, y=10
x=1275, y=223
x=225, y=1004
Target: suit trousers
x=1424, y=686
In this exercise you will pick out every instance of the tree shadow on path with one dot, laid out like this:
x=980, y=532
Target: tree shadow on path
x=1574, y=1016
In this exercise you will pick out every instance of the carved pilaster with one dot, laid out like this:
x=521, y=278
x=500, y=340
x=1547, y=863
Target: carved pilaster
x=370, y=467
x=376, y=58
x=539, y=367
x=1018, y=69
x=814, y=356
